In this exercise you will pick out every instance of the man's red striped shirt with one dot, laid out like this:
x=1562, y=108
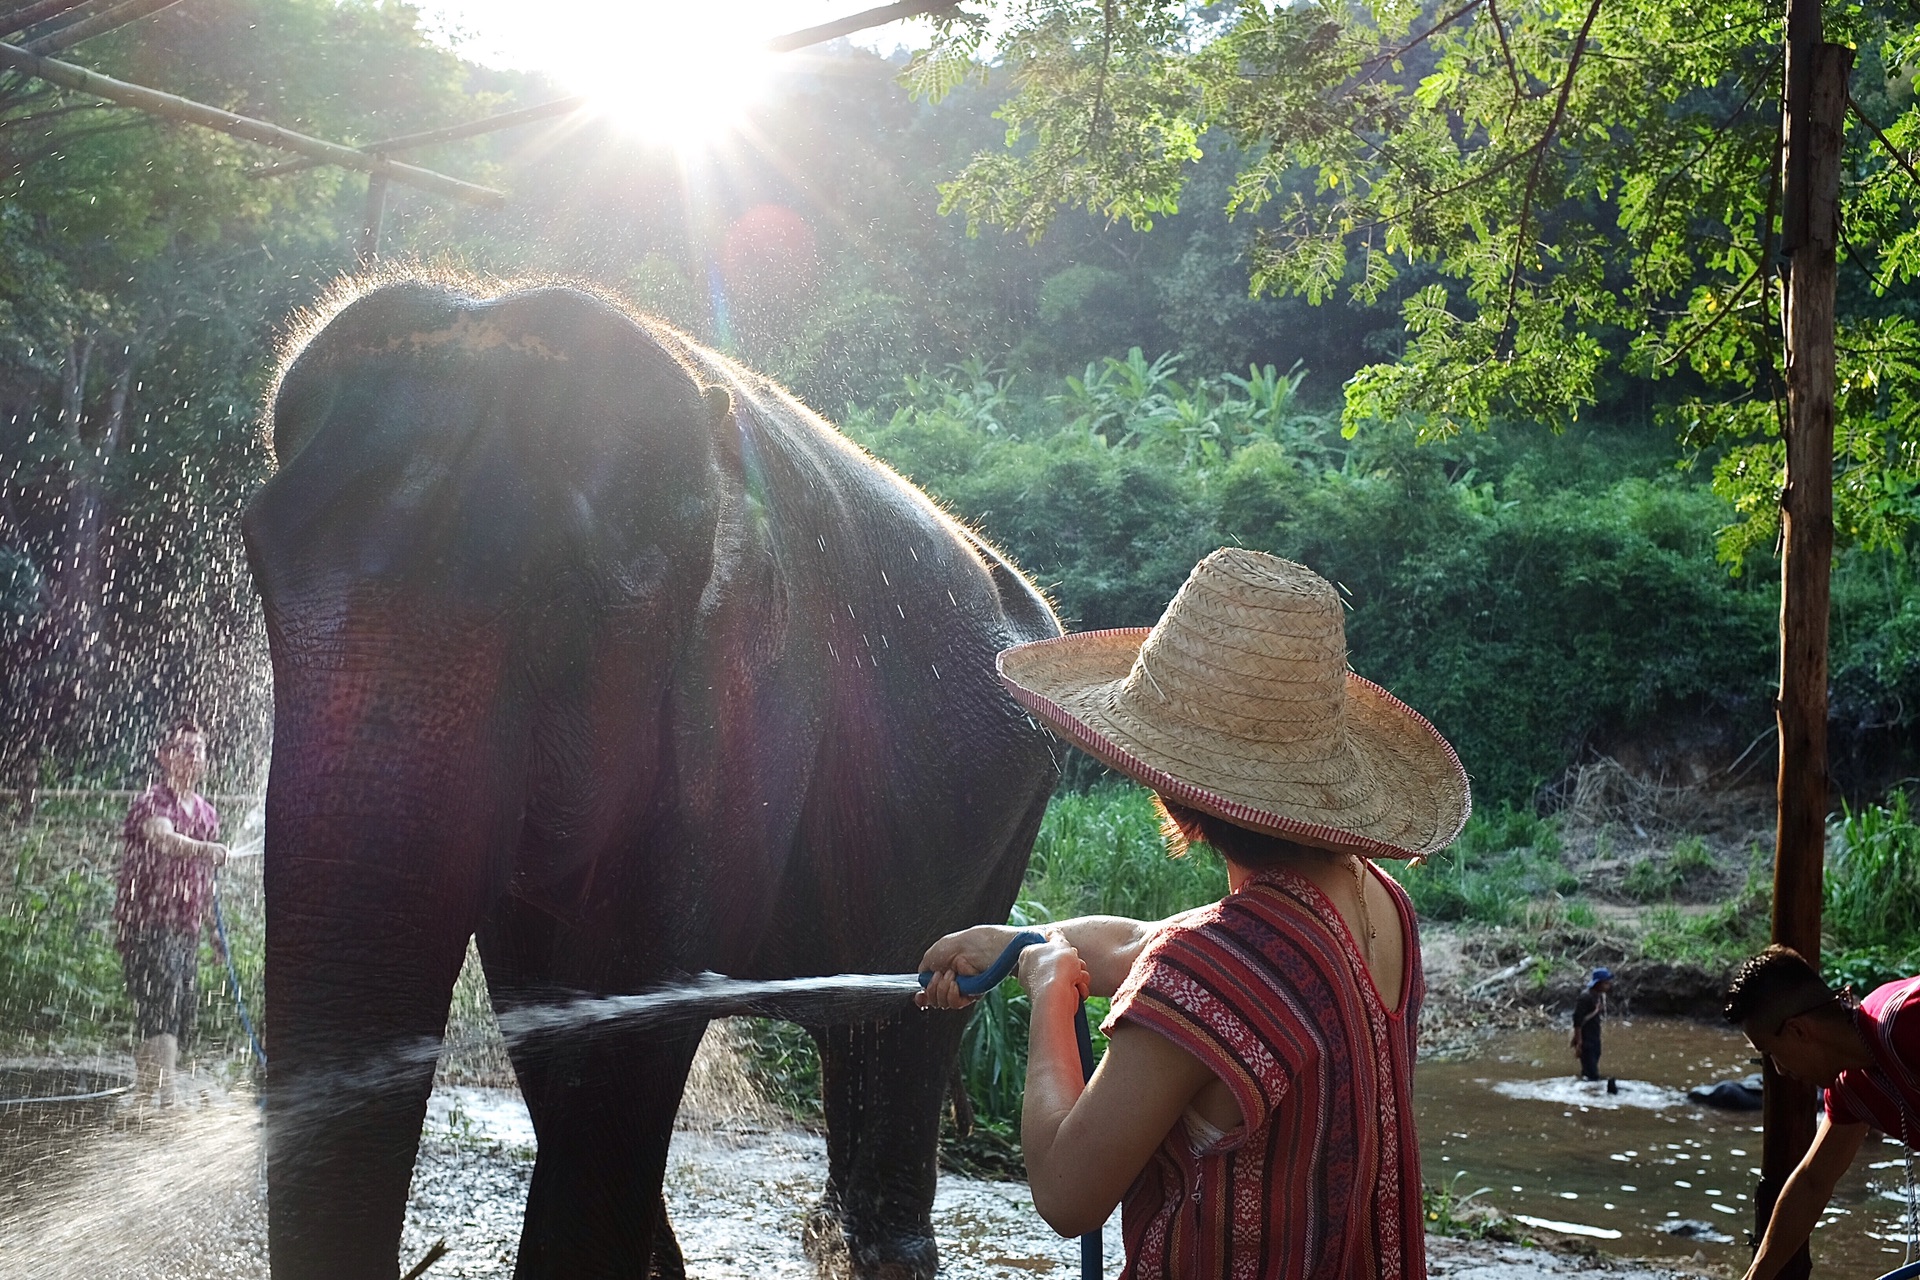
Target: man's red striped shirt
x=1887, y=1094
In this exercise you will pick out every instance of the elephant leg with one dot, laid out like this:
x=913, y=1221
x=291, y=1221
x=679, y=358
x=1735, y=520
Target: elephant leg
x=353, y=1039
x=668, y=1263
x=603, y=1107
x=882, y=1086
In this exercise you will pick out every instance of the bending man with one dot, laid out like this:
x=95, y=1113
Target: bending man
x=1866, y=1057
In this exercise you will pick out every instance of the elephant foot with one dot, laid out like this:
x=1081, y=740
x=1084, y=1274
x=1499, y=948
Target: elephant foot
x=893, y=1255
x=667, y=1262
x=824, y=1241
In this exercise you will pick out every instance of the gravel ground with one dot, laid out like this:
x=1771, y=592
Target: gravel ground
x=178, y=1197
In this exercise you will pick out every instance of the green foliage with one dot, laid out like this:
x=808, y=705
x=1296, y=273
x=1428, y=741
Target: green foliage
x=784, y=1064
x=1581, y=915
x=1100, y=852
x=1505, y=862
x=1448, y=1213
x=59, y=973
x=1559, y=195
x=1485, y=580
x=1652, y=879
x=1871, y=912
x=1718, y=938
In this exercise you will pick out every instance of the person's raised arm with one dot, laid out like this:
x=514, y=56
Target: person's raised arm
x=1805, y=1194
x=160, y=834
x=1108, y=946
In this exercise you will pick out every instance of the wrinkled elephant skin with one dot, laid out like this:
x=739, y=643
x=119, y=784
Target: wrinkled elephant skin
x=592, y=645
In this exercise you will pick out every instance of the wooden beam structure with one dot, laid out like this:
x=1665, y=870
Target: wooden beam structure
x=94, y=17
x=170, y=107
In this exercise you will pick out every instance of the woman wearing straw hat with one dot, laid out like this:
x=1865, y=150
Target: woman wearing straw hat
x=1253, y=1112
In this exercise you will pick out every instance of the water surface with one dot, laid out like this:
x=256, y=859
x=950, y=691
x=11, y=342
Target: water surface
x=1626, y=1169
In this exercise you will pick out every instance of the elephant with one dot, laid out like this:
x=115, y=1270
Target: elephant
x=597, y=648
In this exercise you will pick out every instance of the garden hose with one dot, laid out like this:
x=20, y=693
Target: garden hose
x=233, y=978
x=978, y=984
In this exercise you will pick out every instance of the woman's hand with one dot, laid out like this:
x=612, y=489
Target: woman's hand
x=1051, y=969
x=965, y=953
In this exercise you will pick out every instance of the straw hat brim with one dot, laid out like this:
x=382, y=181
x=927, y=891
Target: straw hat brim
x=1400, y=793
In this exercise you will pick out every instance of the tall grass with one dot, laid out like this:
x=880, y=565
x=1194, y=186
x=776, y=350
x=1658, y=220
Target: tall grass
x=1871, y=913
x=1099, y=852
x=1504, y=869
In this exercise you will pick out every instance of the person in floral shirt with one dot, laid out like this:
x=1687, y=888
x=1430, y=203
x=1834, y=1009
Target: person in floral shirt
x=165, y=897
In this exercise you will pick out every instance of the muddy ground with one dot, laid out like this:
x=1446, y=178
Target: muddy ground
x=178, y=1198
x=178, y=1195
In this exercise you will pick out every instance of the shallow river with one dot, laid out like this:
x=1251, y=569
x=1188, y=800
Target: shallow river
x=1627, y=1169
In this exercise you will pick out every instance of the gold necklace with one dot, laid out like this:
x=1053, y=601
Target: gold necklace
x=1366, y=916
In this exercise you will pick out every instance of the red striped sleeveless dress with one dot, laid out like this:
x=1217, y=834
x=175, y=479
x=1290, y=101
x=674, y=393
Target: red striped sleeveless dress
x=1268, y=989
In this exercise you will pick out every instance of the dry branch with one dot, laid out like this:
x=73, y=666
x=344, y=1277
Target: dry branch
x=168, y=106
x=1884, y=141
x=1539, y=159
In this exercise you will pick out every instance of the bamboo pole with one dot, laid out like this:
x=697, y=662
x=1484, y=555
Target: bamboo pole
x=451, y=133
x=99, y=24
x=1815, y=137
x=857, y=22
x=168, y=106
x=33, y=14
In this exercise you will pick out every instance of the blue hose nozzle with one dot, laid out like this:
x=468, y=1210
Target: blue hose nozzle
x=1092, y=1261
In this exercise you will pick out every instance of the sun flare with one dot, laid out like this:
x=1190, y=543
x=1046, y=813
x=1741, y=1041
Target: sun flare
x=679, y=77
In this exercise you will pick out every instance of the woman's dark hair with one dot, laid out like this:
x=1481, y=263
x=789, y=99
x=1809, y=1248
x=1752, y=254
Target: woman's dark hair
x=180, y=725
x=1183, y=828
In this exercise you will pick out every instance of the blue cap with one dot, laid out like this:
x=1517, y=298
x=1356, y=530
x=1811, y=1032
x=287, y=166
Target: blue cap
x=1600, y=975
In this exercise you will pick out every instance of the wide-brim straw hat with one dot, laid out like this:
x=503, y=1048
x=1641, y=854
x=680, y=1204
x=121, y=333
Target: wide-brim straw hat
x=1239, y=703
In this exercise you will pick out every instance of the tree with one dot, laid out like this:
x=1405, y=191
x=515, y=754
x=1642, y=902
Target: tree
x=1604, y=191
x=142, y=275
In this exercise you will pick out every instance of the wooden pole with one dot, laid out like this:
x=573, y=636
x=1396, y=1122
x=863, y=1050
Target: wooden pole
x=166, y=105
x=1815, y=137
x=857, y=22
x=451, y=133
x=28, y=15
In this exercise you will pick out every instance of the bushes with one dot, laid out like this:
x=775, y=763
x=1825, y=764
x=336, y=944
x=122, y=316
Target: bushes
x=1505, y=862
x=1525, y=595
x=1659, y=879
x=59, y=973
x=1871, y=915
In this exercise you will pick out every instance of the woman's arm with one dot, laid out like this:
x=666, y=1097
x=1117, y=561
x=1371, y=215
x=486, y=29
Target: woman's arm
x=1107, y=946
x=1085, y=1144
